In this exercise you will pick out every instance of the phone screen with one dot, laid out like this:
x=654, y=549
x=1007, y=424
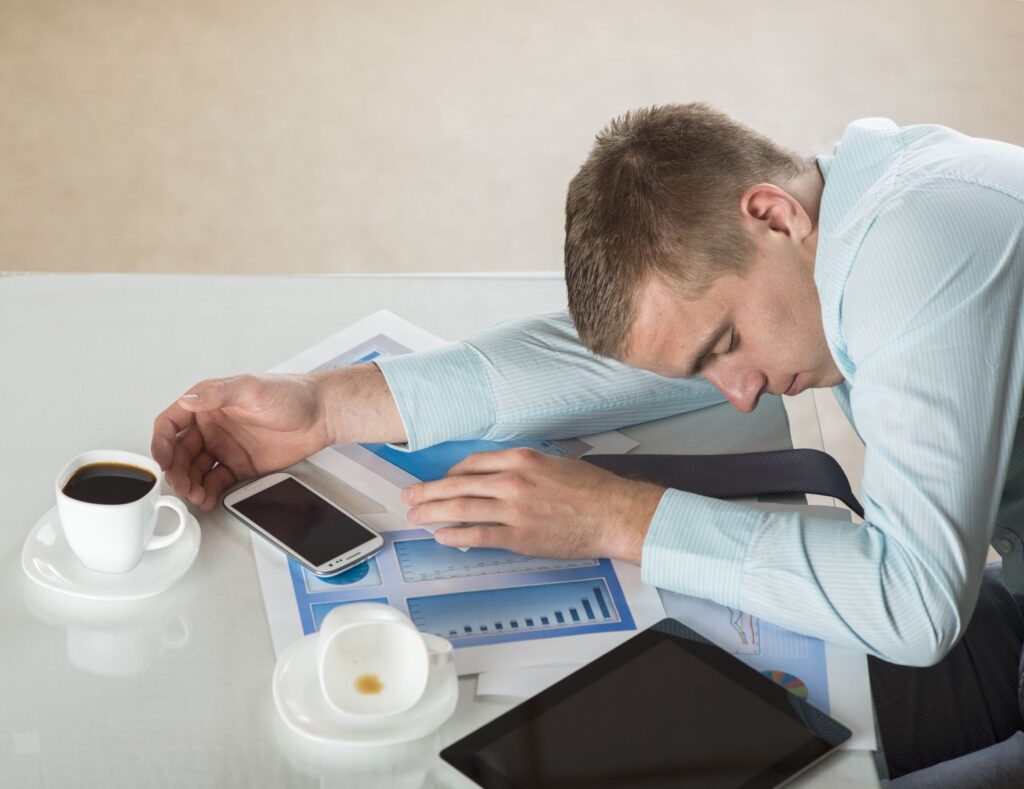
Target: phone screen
x=311, y=526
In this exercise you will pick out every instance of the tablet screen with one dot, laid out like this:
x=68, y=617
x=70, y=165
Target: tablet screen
x=661, y=710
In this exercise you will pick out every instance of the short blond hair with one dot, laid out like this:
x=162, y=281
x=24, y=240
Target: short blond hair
x=659, y=195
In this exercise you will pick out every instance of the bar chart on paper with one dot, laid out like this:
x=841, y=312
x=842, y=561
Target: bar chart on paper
x=556, y=607
x=428, y=560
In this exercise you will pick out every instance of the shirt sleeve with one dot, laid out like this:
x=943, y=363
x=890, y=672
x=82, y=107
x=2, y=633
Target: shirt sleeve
x=529, y=378
x=932, y=322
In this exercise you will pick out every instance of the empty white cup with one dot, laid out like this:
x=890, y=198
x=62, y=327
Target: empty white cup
x=372, y=661
x=112, y=538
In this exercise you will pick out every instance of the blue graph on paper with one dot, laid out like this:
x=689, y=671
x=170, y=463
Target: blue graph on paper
x=574, y=604
x=428, y=560
x=465, y=601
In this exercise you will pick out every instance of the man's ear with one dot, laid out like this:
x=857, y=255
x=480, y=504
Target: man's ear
x=768, y=208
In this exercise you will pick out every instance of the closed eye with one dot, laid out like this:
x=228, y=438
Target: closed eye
x=709, y=354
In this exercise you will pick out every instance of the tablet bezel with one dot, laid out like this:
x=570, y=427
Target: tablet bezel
x=825, y=732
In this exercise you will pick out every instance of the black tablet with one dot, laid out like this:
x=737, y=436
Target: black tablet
x=667, y=708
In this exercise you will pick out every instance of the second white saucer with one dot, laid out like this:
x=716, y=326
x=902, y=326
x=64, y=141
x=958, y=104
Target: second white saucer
x=47, y=559
x=301, y=704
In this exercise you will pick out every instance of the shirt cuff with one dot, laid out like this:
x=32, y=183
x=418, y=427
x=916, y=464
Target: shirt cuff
x=442, y=395
x=698, y=545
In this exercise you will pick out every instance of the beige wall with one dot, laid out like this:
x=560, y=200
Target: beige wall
x=330, y=136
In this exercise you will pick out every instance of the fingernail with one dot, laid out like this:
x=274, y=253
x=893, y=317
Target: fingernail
x=414, y=514
x=407, y=495
x=191, y=397
x=441, y=536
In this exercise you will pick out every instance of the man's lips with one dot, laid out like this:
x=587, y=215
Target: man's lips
x=793, y=387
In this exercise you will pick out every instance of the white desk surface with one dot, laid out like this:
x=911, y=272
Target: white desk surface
x=88, y=361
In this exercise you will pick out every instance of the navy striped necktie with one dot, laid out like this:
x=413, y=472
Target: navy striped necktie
x=785, y=471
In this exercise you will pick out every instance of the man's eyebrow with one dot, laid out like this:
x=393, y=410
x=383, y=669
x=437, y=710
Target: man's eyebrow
x=710, y=342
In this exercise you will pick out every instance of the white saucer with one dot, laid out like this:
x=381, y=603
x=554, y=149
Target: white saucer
x=47, y=559
x=302, y=706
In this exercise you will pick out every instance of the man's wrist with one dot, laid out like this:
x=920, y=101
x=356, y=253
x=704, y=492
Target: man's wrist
x=643, y=499
x=357, y=405
x=321, y=384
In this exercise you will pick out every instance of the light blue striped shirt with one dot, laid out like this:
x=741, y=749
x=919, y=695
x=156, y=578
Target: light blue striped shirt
x=919, y=269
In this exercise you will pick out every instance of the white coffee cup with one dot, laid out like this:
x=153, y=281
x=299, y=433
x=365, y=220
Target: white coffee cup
x=112, y=538
x=372, y=661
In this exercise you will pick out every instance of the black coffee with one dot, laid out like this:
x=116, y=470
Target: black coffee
x=109, y=483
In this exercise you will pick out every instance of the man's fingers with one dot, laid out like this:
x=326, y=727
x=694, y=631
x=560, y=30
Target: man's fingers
x=480, y=475
x=191, y=439
x=204, y=396
x=499, y=460
x=476, y=485
x=177, y=474
x=214, y=484
x=480, y=536
x=238, y=390
x=459, y=511
x=225, y=447
x=201, y=465
x=187, y=447
x=166, y=427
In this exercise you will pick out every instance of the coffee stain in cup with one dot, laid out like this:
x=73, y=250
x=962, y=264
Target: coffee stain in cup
x=369, y=684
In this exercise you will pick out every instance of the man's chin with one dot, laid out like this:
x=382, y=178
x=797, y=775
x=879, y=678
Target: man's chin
x=796, y=386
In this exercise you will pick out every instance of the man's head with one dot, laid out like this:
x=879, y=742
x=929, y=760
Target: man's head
x=687, y=231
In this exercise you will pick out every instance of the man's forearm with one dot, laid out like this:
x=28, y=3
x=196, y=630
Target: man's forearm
x=853, y=584
x=529, y=378
x=358, y=405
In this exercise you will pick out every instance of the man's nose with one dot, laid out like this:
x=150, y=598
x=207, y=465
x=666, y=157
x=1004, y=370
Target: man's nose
x=742, y=387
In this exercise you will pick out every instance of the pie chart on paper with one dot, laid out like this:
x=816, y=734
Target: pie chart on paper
x=350, y=576
x=793, y=684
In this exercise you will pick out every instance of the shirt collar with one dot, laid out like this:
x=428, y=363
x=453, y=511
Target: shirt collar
x=861, y=166
x=824, y=162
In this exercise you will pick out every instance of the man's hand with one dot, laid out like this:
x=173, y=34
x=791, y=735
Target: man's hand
x=228, y=429
x=539, y=505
